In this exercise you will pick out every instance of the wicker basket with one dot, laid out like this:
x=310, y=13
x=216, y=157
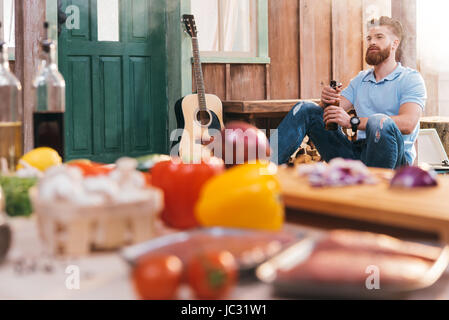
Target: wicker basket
x=72, y=230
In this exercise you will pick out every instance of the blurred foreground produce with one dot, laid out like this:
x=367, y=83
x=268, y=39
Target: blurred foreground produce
x=249, y=247
x=91, y=169
x=212, y=274
x=5, y=231
x=242, y=143
x=101, y=208
x=181, y=183
x=211, y=257
x=157, y=277
x=146, y=163
x=40, y=158
x=246, y=196
x=338, y=173
x=412, y=177
x=16, y=195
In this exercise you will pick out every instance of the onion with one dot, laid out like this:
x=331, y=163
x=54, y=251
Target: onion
x=411, y=177
x=339, y=172
x=244, y=143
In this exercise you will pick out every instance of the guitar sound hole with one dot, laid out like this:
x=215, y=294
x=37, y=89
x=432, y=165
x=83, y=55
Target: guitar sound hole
x=204, y=118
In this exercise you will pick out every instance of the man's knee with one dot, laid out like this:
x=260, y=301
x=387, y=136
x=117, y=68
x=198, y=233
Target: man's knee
x=379, y=121
x=377, y=124
x=306, y=108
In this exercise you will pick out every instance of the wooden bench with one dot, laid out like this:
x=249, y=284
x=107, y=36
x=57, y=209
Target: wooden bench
x=264, y=114
x=253, y=110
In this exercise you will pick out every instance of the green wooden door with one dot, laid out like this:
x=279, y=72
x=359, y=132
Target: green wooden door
x=116, y=90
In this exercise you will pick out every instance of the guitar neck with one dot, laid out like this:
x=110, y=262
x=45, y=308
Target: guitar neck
x=198, y=73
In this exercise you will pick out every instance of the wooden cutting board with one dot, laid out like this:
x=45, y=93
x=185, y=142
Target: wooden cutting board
x=424, y=209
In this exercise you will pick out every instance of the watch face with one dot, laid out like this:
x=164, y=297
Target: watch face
x=355, y=121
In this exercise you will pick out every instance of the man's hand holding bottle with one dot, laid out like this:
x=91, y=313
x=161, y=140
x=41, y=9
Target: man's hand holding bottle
x=333, y=115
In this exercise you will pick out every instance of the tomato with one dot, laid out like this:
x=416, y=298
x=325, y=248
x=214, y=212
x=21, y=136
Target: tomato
x=91, y=169
x=182, y=183
x=148, y=179
x=157, y=277
x=212, y=274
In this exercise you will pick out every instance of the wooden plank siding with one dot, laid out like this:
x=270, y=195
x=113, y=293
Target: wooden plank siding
x=347, y=45
x=315, y=46
x=30, y=16
x=283, y=35
x=310, y=43
x=405, y=11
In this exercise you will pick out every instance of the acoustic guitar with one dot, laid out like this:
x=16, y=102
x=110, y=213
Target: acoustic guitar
x=200, y=115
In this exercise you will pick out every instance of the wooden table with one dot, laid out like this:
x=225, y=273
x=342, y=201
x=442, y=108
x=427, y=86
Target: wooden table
x=105, y=276
x=423, y=209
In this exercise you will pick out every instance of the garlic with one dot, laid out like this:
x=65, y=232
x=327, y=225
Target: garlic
x=123, y=185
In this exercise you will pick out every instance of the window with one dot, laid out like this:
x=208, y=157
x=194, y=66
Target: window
x=232, y=30
x=108, y=20
x=8, y=24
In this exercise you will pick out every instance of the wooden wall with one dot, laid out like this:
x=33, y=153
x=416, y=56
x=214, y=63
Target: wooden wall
x=30, y=16
x=310, y=43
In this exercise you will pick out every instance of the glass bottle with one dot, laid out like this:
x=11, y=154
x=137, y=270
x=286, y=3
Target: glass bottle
x=49, y=107
x=11, y=145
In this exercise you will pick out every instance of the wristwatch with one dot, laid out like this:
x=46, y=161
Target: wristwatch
x=355, y=121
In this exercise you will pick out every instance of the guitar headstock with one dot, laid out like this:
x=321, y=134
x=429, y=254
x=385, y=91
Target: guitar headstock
x=189, y=21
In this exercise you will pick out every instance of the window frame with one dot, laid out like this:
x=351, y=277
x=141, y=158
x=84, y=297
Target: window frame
x=11, y=50
x=259, y=54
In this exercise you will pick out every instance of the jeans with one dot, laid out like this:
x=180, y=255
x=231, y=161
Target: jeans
x=382, y=148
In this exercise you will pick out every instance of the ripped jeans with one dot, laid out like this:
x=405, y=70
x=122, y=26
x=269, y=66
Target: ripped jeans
x=382, y=148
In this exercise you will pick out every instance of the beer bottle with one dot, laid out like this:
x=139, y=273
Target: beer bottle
x=332, y=126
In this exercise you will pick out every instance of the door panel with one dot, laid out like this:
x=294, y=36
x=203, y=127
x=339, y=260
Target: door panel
x=140, y=11
x=84, y=31
x=79, y=123
x=111, y=104
x=140, y=82
x=117, y=100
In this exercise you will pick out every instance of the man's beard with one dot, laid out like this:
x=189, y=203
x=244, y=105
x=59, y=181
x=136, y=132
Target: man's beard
x=376, y=58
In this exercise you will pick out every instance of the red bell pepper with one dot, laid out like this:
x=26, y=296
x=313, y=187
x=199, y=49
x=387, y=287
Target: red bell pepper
x=182, y=183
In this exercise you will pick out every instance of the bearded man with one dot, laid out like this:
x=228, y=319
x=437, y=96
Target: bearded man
x=388, y=99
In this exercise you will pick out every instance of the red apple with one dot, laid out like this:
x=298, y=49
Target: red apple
x=242, y=142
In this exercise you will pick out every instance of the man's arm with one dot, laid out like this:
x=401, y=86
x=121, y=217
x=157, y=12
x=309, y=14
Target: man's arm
x=406, y=120
x=345, y=104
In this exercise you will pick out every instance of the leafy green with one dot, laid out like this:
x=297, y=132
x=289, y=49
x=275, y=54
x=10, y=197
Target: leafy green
x=16, y=194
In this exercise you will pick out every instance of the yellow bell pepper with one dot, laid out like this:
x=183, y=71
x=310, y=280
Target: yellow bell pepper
x=246, y=196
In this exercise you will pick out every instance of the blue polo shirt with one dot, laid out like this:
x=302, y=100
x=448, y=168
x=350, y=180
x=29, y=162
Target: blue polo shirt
x=386, y=97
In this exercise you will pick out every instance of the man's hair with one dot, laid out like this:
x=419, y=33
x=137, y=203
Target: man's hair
x=394, y=26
